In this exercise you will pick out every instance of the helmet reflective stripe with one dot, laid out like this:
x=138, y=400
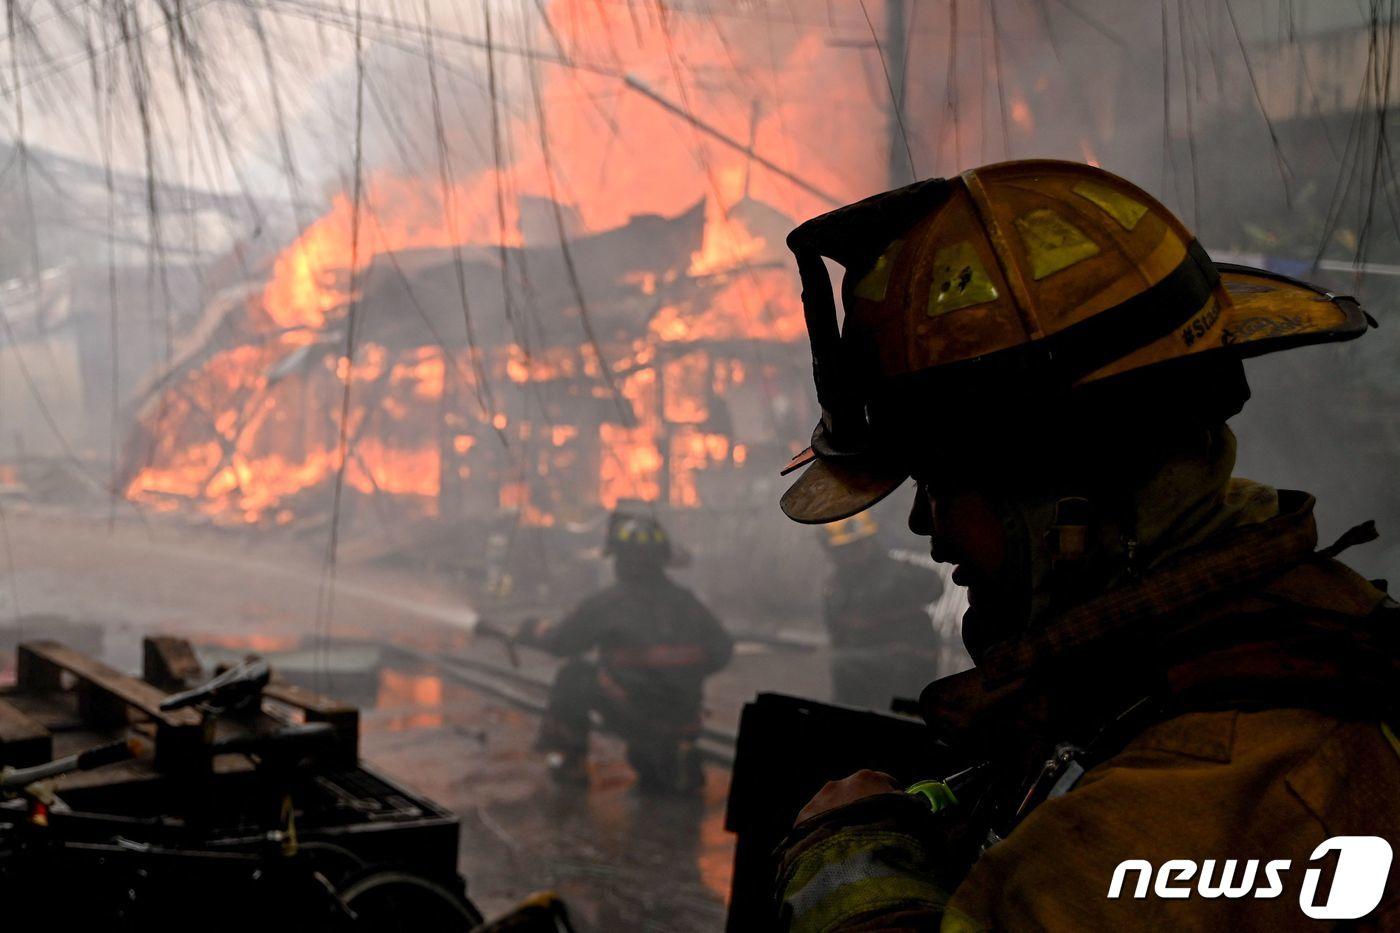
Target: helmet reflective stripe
x=637, y=535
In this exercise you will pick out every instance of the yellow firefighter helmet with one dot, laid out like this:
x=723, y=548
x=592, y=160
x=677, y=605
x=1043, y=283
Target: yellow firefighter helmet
x=1010, y=277
x=636, y=535
x=850, y=530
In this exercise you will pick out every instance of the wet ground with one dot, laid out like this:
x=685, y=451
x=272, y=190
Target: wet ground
x=622, y=861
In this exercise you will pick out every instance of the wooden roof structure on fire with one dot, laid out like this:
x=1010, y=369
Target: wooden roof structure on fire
x=415, y=298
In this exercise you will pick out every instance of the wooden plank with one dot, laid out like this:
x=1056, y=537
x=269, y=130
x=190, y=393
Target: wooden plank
x=307, y=700
x=135, y=693
x=318, y=707
x=169, y=663
x=35, y=673
x=107, y=697
x=23, y=742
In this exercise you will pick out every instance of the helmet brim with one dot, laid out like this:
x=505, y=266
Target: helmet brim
x=1271, y=312
x=833, y=489
x=1268, y=312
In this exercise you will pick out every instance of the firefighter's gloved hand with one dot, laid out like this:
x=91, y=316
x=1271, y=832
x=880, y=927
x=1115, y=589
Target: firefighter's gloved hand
x=862, y=784
x=863, y=854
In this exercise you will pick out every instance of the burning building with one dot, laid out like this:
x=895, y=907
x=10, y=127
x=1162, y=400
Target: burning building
x=665, y=353
x=525, y=343
x=660, y=361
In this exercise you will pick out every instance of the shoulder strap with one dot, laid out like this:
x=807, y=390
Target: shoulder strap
x=1363, y=533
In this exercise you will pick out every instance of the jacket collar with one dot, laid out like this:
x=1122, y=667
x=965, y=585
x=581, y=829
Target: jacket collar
x=1010, y=683
x=1243, y=556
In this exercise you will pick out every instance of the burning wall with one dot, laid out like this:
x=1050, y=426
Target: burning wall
x=248, y=427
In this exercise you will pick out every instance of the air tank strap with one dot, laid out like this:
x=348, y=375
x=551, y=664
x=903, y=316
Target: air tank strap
x=1363, y=533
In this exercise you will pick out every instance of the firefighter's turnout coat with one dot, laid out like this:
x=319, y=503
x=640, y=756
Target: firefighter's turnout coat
x=1269, y=673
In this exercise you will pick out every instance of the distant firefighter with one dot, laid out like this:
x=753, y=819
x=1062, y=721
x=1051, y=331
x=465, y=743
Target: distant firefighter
x=883, y=644
x=656, y=643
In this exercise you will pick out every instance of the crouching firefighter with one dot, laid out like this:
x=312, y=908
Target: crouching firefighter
x=655, y=642
x=1175, y=687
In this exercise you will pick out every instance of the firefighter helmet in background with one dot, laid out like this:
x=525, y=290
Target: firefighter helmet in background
x=1009, y=289
x=859, y=527
x=638, y=537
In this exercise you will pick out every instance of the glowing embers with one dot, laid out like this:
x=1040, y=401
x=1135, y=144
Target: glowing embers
x=421, y=372
x=515, y=497
x=685, y=396
x=691, y=452
x=542, y=365
x=676, y=433
x=753, y=303
x=630, y=465
x=242, y=444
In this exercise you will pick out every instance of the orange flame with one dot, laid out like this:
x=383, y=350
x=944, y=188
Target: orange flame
x=727, y=243
x=246, y=434
x=310, y=278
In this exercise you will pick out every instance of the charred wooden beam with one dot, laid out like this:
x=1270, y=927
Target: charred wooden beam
x=169, y=663
x=23, y=741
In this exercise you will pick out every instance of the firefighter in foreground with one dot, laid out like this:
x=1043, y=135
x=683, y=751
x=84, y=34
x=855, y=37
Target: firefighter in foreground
x=656, y=643
x=883, y=644
x=1167, y=665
